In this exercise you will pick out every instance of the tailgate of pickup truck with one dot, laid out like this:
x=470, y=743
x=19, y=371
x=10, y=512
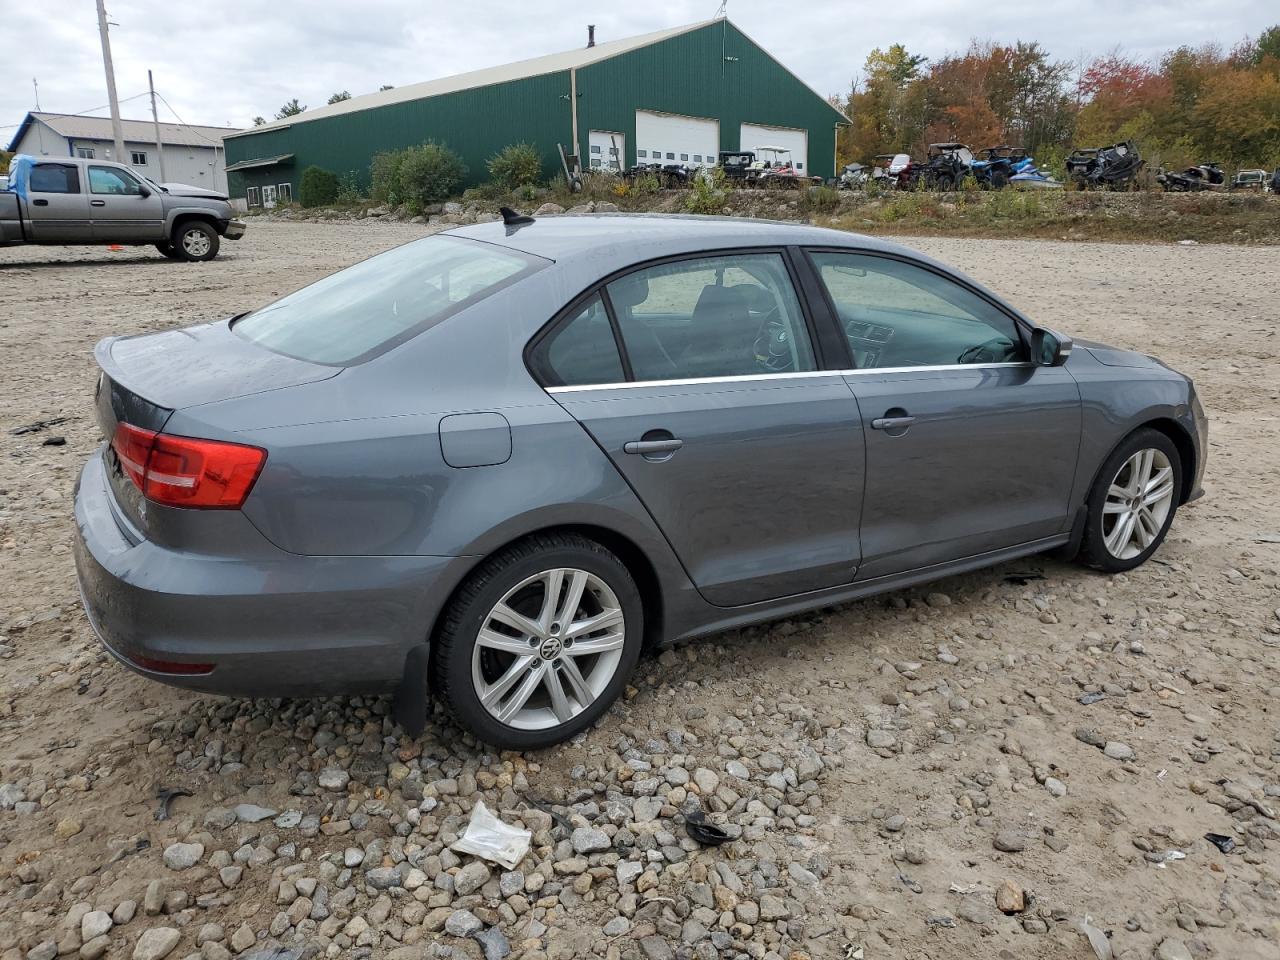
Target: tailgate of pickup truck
x=10, y=218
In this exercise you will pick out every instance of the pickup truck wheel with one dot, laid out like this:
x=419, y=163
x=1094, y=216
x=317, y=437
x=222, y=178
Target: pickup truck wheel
x=195, y=241
x=167, y=249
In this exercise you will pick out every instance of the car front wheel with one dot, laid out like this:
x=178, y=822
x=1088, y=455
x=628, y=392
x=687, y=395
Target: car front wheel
x=195, y=241
x=1133, y=502
x=539, y=642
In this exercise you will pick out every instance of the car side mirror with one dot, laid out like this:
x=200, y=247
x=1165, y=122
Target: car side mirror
x=143, y=192
x=1049, y=348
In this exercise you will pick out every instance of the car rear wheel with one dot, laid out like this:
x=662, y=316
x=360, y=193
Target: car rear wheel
x=195, y=241
x=539, y=642
x=1133, y=502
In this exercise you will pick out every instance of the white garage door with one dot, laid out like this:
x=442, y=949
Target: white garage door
x=797, y=141
x=668, y=138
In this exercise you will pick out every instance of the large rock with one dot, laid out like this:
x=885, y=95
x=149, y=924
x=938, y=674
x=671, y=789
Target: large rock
x=590, y=840
x=156, y=943
x=471, y=878
x=183, y=856
x=94, y=924
x=462, y=923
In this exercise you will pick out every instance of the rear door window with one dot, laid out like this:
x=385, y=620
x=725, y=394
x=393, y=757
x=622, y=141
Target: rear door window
x=723, y=316
x=54, y=178
x=359, y=312
x=581, y=350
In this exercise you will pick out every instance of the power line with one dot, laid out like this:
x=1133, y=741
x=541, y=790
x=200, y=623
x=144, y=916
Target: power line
x=181, y=122
x=78, y=113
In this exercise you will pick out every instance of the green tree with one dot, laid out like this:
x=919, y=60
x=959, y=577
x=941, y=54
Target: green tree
x=259, y=121
x=290, y=109
x=5, y=159
x=339, y=97
x=1268, y=44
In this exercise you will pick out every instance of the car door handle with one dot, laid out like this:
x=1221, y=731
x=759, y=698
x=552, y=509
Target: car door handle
x=892, y=423
x=649, y=447
x=40, y=203
x=97, y=203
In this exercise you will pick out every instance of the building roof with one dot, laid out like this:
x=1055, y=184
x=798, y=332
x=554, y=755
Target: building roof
x=75, y=126
x=521, y=69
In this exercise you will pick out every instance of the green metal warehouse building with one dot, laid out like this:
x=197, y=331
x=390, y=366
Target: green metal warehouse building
x=680, y=95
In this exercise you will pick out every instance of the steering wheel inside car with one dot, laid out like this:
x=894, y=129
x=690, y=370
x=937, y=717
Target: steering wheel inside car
x=774, y=351
x=996, y=350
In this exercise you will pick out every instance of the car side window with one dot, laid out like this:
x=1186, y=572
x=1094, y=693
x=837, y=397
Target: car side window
x=108, y=180
x=582, y=350
x=725, y=316
x=54, y=178
x=897, y=314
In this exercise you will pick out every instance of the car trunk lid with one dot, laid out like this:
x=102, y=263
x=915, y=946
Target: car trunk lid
x=146, y=378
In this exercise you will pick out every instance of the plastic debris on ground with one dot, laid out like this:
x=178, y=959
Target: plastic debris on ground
x=489, y=838
x=705, y=833
x=1097, y=939
x=1221, y=841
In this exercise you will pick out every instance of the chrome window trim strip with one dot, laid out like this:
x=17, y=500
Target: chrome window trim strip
x=755, y=378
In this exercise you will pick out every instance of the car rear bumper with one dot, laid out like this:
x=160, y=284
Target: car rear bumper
x=280, y=625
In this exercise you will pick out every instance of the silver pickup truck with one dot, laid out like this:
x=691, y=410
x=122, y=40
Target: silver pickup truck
x=69, y=200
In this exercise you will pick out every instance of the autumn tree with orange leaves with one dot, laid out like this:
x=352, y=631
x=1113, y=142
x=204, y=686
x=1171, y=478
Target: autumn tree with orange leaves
x=1195, y=104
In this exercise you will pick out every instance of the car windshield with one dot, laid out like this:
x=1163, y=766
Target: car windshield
x=368, y=308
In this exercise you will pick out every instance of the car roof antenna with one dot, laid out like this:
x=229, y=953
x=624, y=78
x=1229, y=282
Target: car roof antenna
x=513, y=219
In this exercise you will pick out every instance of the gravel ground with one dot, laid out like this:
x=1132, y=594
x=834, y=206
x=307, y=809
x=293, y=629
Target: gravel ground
x=967, y=770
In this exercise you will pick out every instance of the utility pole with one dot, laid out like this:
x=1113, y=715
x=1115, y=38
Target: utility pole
x=155, y=118
x=116, y=130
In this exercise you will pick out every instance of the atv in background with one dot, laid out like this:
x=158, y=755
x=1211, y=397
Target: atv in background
x=736, y=163
x=854, y=176
x=945, y=166
x=1250, y=180
x=997, y=166
x=1111, y=168
x=1205, y=176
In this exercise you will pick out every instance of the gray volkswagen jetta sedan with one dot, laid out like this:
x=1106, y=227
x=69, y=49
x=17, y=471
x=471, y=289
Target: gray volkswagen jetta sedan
x=496, y=464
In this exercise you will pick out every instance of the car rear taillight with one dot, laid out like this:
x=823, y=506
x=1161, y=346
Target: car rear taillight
x=185, y=471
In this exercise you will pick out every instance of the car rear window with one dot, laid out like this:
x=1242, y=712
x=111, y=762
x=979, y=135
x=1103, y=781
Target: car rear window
x=366, y=309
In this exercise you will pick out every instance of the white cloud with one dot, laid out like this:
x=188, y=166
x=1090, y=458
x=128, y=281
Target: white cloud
x=228, y=62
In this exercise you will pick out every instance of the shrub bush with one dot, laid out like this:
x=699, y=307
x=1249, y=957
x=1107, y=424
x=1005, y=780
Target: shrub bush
x=417, y=176
x=708, y=192
x=318, y=187
x=820, y=199
x=516, y=165
x=384, y=177
x=349, y=188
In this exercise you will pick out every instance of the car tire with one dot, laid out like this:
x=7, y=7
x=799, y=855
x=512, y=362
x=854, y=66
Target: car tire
x=481, y=678
x=195, y=241
x=168, y=250
x=1139, y=486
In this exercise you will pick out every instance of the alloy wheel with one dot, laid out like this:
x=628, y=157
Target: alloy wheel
x=1138, y=503
x=195, y=243
x=548, y=649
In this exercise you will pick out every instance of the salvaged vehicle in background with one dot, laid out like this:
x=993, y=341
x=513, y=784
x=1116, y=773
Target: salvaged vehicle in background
x=736, y=163
x=74, y=201
x=1112, y=168
x=945, y=166
x=1205, y=176
x=497, y=463
x=1273, y=185
x=1250, y=180
x=854, y=176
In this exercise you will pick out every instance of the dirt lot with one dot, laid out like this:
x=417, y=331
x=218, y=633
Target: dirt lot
x=892, y=769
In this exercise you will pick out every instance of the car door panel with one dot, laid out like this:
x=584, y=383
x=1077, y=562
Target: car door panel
x=57, y=206
x=986, y=462
x=120, y=209
x=761, y=497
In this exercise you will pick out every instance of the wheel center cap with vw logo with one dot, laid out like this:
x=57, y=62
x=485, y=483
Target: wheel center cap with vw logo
x=550, y=648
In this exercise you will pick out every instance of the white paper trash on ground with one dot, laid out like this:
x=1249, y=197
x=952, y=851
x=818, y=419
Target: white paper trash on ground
x=488, y=837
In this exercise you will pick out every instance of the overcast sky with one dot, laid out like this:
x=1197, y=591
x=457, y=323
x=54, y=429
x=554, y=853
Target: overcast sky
x=224, y=63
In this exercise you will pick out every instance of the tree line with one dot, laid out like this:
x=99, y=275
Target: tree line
x=1196, y=103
